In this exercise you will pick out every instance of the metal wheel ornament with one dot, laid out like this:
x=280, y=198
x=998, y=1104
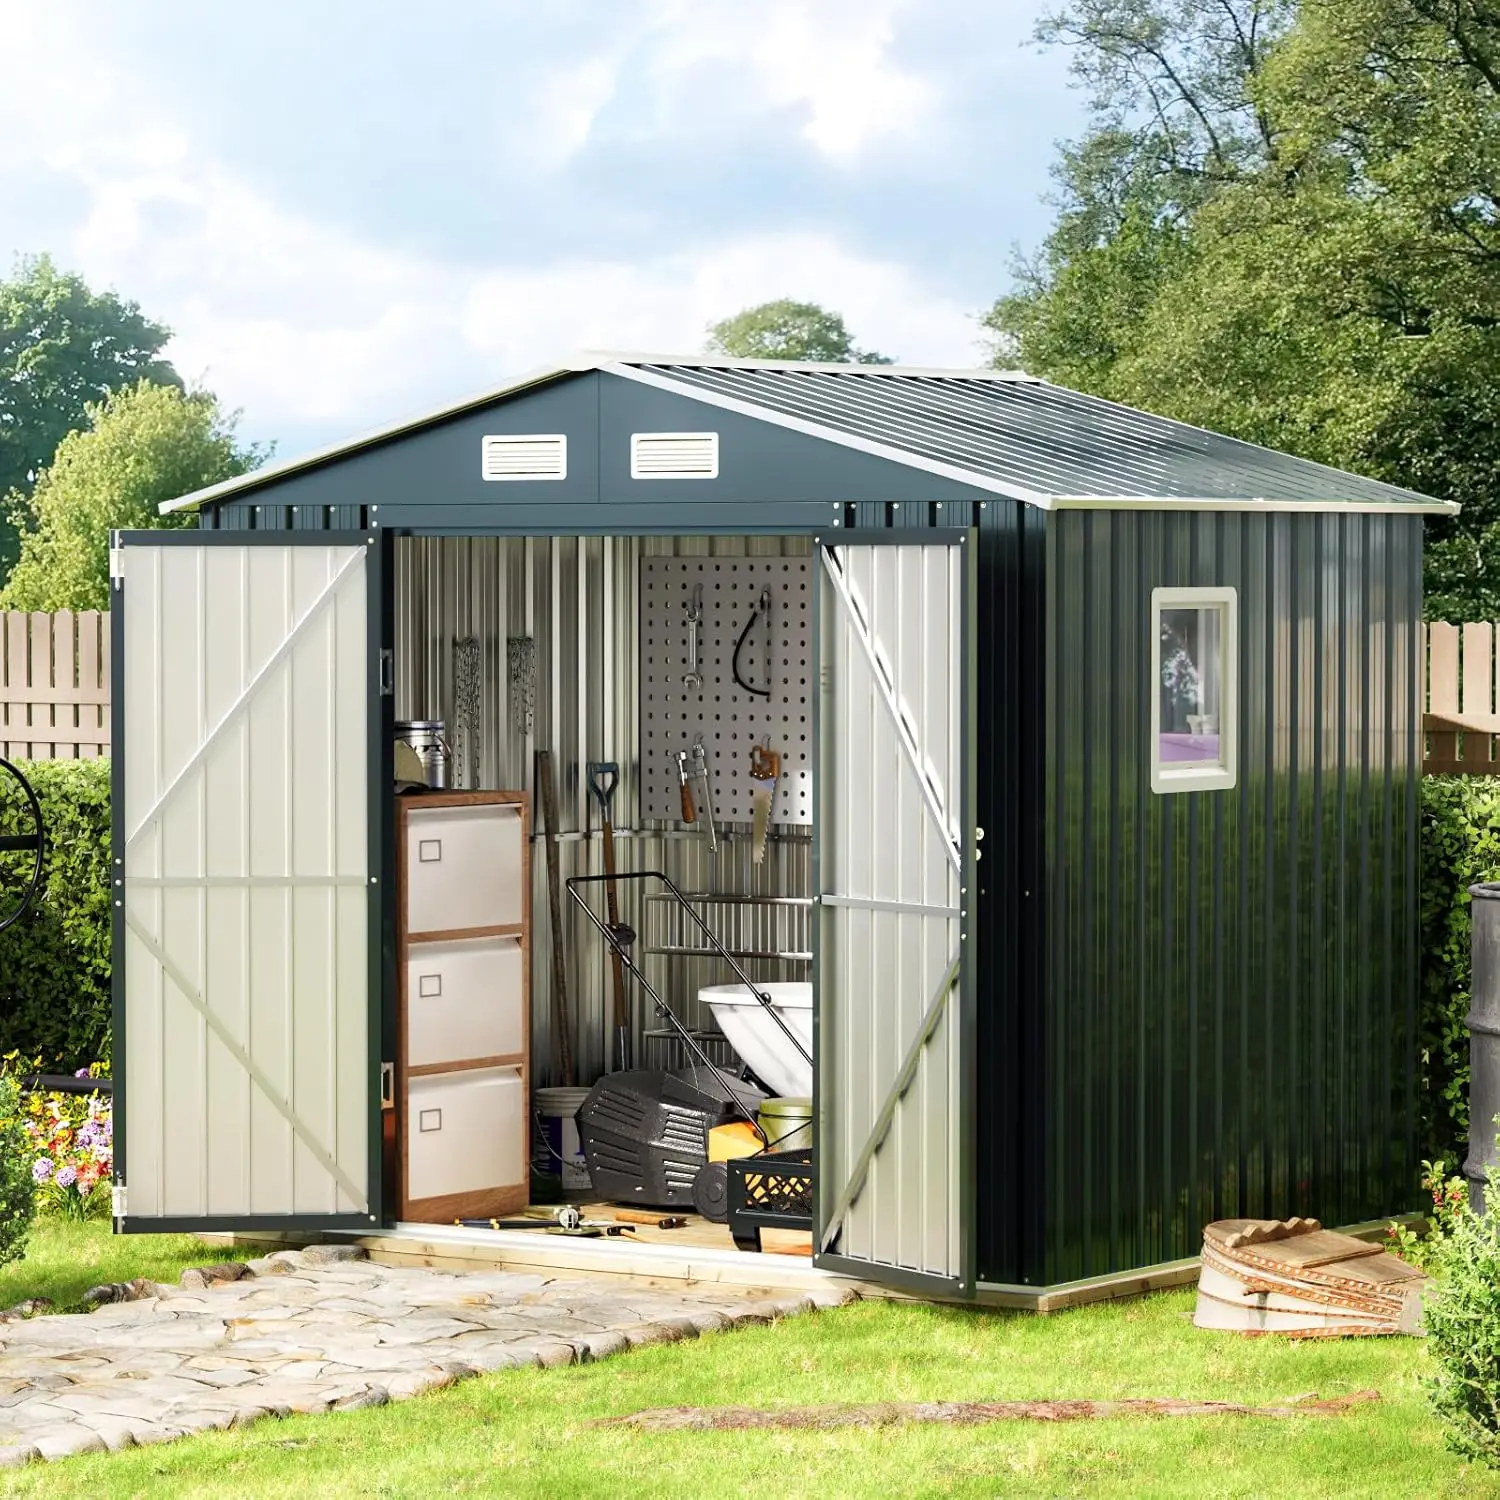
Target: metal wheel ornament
x=30, y=842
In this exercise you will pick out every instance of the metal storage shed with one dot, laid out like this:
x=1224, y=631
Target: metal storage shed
x=1181, y=983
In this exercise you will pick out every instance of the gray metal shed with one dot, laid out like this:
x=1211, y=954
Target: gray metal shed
x=1163, y=681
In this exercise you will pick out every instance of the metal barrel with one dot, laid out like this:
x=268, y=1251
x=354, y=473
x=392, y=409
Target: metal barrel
x=1484, y=1040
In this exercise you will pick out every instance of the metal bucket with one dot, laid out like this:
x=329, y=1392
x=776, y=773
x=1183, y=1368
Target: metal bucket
x=426, y=737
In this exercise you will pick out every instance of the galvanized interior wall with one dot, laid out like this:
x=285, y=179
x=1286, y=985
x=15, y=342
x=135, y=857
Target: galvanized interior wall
x=1230, y=1026
x=576, y=599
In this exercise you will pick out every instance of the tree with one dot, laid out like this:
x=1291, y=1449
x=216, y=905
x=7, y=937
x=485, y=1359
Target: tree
x=143, y=445
x=1300, y=245
x=61, y=347
x=789, y=330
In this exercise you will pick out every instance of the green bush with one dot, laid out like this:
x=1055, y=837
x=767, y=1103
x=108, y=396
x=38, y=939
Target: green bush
x=1461, y=1313
x=55, y=962
x=1460, y=847
x=17, y=1187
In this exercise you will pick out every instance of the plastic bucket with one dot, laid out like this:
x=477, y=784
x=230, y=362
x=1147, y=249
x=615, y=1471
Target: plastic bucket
x=787, y=1124
x=557, y=1153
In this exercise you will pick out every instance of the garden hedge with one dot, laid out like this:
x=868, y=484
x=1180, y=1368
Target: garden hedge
x=1460, y=846
x=55, y=962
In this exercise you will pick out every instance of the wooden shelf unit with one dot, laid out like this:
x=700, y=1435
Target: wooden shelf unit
x=463, y=1012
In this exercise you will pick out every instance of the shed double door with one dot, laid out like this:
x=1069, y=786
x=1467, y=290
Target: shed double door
x=896, y=846
x=249, y=746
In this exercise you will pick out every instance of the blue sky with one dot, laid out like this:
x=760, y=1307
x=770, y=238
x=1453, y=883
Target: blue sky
x=348, y=212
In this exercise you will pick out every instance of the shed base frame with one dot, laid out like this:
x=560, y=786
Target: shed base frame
x=453, y=1248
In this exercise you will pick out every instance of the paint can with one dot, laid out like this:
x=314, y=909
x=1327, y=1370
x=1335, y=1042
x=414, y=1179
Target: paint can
x=426, y=737
x=557, y=1152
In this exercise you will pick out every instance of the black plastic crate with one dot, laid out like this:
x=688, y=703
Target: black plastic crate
x=773, y=1191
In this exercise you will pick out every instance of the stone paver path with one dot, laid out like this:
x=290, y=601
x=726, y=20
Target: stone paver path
x=307, y=1331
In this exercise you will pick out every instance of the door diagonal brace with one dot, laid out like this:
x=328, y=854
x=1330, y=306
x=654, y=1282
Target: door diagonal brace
x=883, y=1121
x=239, y=705
x=887, y=691
x=278, y=1100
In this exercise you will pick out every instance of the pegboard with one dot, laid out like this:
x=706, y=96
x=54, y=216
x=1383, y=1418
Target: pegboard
x=723, y=715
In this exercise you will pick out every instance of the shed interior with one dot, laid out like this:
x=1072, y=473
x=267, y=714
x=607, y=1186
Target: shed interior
x=578, y=656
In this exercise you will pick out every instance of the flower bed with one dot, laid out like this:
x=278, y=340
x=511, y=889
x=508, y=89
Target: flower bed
x=71, y=1141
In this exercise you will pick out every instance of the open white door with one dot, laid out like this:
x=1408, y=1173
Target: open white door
x=894, y=1064
x=247, y=995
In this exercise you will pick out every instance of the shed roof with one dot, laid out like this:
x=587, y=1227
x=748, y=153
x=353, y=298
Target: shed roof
x=1002, y=431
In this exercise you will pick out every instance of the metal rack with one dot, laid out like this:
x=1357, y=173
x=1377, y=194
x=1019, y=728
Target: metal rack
x=764, y=927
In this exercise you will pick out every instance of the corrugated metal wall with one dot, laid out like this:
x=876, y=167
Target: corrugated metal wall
x=575, y=599
x=1231, y=976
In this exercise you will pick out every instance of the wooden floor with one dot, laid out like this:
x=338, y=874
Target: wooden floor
x=697, y=1234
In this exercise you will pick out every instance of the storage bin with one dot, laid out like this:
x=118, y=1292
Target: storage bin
x=464, y=999
x=464, y=867
x=466, y=1132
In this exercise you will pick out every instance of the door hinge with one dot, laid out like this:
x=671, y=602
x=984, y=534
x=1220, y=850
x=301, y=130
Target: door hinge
x=387, y=672
x=117, y=1201
x=387, y=1085
x=116, y=560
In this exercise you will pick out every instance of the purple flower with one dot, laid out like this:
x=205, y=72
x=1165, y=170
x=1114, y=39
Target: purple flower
x=82, y=1073
x=41, y=1169
x=66, y=1177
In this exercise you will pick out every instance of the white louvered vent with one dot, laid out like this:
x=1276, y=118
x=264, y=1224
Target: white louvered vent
x=674, y=455
x=533, y=456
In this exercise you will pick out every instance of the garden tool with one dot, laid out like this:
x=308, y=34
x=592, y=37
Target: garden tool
x=560, y=1018
x=684, y=776
x=765, y=772
x=700, y=772
x=604, y=777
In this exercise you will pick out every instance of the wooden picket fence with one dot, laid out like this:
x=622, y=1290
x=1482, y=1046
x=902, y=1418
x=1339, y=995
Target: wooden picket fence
x=54, y=685
x=1459, y=702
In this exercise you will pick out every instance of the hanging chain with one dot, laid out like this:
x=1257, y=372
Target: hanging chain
x=466, y=689
x=520, y=662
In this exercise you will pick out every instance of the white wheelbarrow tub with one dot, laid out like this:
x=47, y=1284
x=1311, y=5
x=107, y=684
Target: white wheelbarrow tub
x=762, y=1045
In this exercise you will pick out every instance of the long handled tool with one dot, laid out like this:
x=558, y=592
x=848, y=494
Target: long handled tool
x=560, y=1019
x=604, y=777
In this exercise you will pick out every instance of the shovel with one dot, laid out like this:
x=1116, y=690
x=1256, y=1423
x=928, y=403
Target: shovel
x=604, y=777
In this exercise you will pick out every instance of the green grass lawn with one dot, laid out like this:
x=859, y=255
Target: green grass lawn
x=64, y=1259
x=528, y=1433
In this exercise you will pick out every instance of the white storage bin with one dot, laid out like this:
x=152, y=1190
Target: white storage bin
x=465, y=1132
x=463, y=867
x=464, y=999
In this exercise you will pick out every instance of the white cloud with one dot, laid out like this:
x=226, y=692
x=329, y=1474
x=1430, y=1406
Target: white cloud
x=831, y=64
x=831, y=61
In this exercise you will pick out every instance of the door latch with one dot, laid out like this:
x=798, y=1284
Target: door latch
x=387, y=1085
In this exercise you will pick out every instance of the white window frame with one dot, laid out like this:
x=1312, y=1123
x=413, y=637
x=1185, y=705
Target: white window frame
x=1164, y=776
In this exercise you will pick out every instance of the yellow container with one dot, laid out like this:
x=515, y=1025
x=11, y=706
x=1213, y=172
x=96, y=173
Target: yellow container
x=727, y=1141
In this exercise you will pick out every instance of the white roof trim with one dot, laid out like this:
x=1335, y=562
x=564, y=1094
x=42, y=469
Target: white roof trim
x=1190, y=502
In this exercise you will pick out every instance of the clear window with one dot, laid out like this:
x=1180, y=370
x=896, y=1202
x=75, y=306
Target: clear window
x=1194, y=712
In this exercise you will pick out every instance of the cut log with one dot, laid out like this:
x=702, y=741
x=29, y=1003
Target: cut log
x=963, y=1413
